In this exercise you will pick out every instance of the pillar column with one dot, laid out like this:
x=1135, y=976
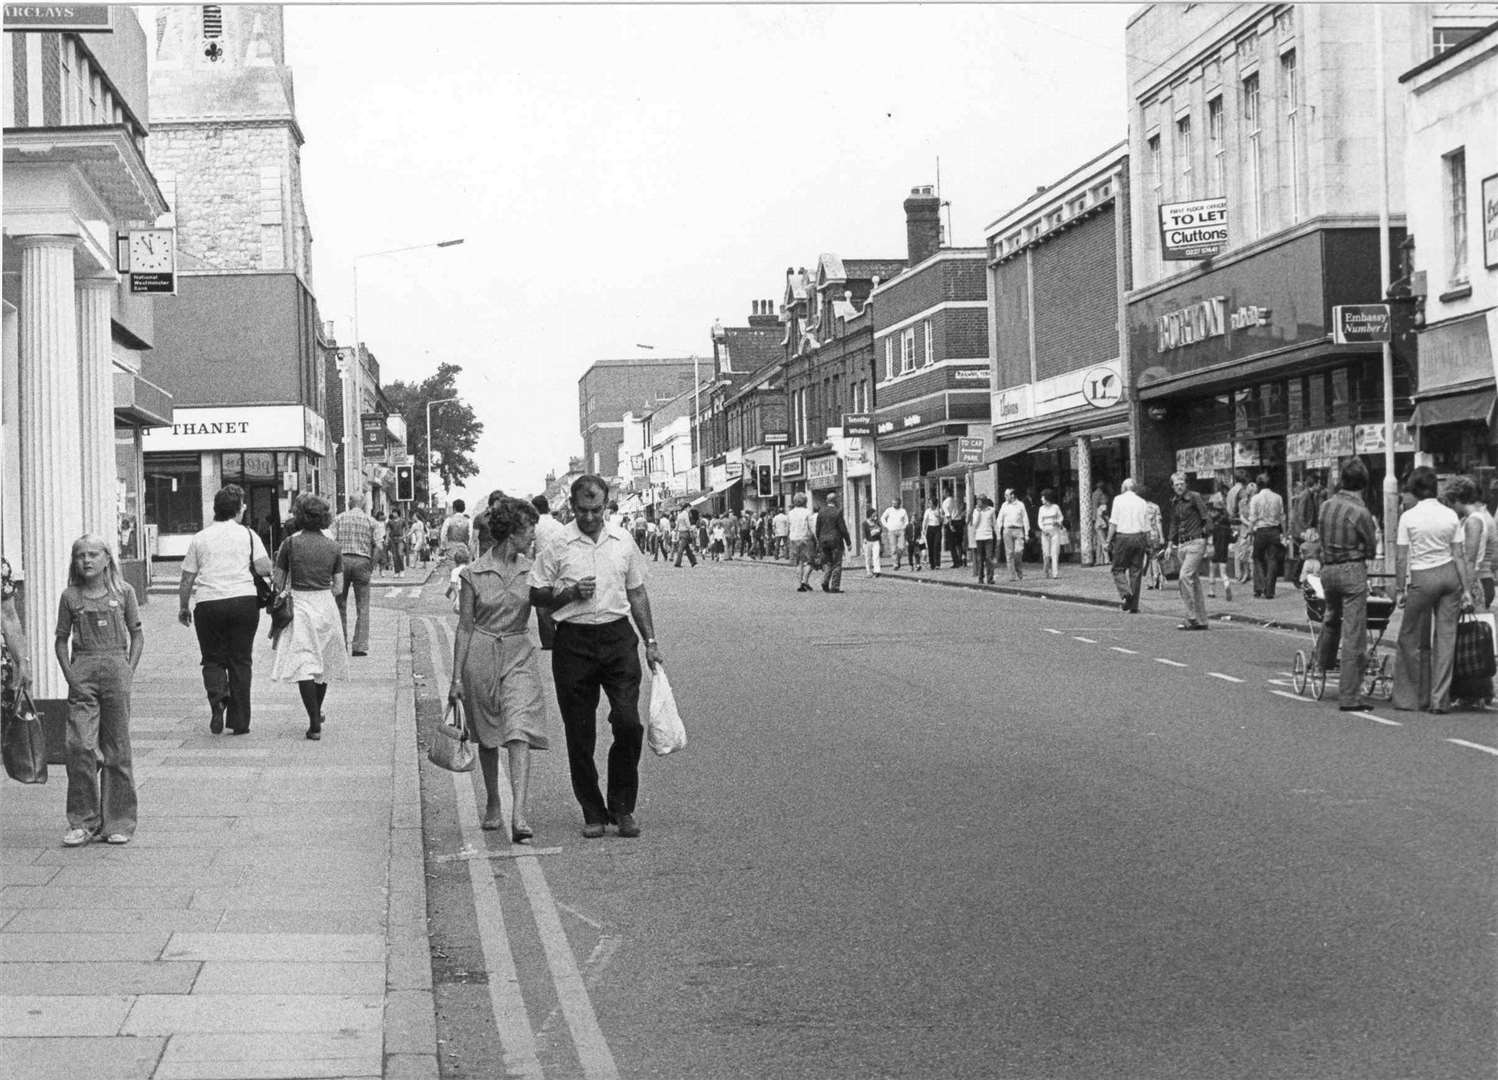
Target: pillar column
x=51, y=515
x=94, y=298
x=1084, y=499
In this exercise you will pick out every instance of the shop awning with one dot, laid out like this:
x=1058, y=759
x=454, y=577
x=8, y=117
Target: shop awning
x=1007, y=448
x=961, y=468
x=1474, y=406
x=720, y=489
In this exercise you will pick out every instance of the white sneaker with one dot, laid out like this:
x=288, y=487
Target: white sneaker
x=76, y=837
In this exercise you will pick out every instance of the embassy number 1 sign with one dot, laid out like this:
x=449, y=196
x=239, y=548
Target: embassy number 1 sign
x=1193, y=230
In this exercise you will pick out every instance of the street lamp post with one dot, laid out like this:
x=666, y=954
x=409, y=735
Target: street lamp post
x=353, y=457
x=434, y=401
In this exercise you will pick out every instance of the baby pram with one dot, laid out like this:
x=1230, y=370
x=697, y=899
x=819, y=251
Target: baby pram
x=1306, y=671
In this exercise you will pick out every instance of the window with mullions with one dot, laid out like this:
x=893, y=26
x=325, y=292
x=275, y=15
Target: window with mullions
x=1184, y=155
x=1253, y=175
x=174, y=493
x=1456, y=215
x=907, y=350
x=1215, y=148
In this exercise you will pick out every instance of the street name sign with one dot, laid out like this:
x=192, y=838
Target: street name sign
x=1361, y=324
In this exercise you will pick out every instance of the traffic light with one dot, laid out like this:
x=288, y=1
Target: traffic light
x=764, y=486
x=405, y=483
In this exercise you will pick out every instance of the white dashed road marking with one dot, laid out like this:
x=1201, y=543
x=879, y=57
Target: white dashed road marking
x=1083, y=640
x=1377, y=719
x=1224, y=678
x=1127, y=652
x=1292, y=697
x=1475, y=746
x=1048, y=630
x=1172, y=663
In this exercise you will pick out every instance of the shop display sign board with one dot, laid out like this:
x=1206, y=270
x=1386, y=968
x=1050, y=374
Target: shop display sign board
x=372, y=428
x=970, y=449
x=1102, y=387
x=1361, y=324
x=777, y=438
x=1490, y=222
x=1369, y=439
x=857, y=425
x=64, y=18
x=1193, y=230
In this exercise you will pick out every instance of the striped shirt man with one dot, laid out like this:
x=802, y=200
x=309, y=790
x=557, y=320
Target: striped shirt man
x=1346, y=528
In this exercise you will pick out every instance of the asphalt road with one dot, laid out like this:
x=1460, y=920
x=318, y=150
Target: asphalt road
x=926, y=832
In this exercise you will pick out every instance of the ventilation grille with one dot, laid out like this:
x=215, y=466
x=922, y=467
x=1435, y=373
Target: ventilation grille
x=213, y=21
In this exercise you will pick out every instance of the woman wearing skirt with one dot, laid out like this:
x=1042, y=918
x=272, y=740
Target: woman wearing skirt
x=311, y=652
x=495, y=671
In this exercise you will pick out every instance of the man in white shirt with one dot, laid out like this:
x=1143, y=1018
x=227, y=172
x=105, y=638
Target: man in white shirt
x=1265, y=519
x=685, y=531
x=802, y=534
x=1129, y=539
x=985, y=535
x=780, y=530
x=457, y=528
x=593, y=581
x=1013, y=523
x=548, y=528
x=894, y=522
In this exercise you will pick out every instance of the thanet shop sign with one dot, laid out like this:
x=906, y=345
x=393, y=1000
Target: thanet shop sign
x=249, y=427
x=72, y=18
x=1193, y=230
x=1361, y=324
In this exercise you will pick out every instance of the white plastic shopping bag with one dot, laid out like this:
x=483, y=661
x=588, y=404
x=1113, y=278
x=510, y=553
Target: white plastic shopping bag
x=664, y=730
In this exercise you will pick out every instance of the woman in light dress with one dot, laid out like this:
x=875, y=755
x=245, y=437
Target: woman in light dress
x=311, y=652
x=495, y=670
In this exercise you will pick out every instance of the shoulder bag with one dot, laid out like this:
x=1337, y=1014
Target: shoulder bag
x=23, y=742
x=265, y=592
x=280, y=607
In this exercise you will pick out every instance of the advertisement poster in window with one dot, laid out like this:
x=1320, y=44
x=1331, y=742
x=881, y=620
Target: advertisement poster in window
x=1490, y=222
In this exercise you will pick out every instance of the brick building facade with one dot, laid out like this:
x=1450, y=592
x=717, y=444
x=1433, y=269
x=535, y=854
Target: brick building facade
x=1057, y=273
x=611, y=388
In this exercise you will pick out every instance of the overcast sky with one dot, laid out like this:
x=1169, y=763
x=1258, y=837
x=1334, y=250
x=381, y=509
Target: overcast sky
x=623, y=175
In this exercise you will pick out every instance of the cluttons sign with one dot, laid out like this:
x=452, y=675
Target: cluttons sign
x=1193, y=230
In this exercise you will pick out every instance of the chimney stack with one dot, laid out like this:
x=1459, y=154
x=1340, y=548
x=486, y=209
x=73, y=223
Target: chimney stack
x=922, y=224
x=762, y=313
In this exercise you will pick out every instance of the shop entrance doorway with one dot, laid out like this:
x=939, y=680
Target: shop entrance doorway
x=264, y=514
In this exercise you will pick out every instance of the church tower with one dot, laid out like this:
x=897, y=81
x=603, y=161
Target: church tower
x=225, y=144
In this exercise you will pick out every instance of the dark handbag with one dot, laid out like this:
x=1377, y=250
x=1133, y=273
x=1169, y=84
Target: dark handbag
x=1170, y=565
x=264, y=590
x=1474, y=649
x=280, y=607
x=23, y=742
x=546, y=627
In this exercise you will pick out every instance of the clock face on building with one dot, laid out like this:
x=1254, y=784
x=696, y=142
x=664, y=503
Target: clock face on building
x=151, y=251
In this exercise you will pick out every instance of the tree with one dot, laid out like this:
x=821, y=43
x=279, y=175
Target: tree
x=455, y=430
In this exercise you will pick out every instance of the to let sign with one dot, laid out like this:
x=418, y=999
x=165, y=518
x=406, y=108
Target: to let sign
x=1193, y=230
x=1361, y=324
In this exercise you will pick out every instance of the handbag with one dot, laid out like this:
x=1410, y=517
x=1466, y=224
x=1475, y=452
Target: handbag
x=1474, y=649
x=664, y=730
x=450, y=749
x=1170, y=565
x=264, y=590
x=1063, y=537
x=23, y=742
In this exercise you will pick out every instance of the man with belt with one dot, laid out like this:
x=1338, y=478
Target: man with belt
x=1189, y=525
x=354, y=530
x=593, y=580
x=1129, y=540
x=1266, y=521
x=1349, y=538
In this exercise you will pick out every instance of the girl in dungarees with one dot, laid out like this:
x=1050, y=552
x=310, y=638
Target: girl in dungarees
x=97, y=616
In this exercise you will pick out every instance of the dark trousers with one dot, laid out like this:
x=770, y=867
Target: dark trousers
x=957, y=542
x=832, y=564
x=684, y=547
x=984, y=553
x=933, y=546
x=226, y=639
x=584, y=660
x=1345, y=624
x=1268, y=550
x=1130, y=551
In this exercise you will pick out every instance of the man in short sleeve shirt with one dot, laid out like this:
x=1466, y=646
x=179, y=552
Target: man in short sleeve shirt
x=592, y=579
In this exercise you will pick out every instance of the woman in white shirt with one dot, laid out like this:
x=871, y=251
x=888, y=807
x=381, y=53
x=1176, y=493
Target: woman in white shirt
x=1050, y=522
x=216, y=571
x=1434, y=583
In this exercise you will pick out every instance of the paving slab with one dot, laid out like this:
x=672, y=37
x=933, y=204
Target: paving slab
x=30, y=875
x=93, y=921
x=290, y=921
x=125, y=898
x=290, y=977
x=293, y=1054
x=308, y=900
x=61, y=1015
x=292, y=948
x=72, y=1058
x=97, y=977
x=166, y=1014
x=77, y=947
x=130, y=855
x=98, y=874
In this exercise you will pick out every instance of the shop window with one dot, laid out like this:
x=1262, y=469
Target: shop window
x=1295, y=402
x=1341, y=399
x=174, y=493
x=127, y=493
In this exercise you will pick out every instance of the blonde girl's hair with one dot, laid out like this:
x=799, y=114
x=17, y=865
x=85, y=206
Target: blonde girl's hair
x=113, y=581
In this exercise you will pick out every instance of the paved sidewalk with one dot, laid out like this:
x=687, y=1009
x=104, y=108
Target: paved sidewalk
x=1094, y=585
x=268, y=920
